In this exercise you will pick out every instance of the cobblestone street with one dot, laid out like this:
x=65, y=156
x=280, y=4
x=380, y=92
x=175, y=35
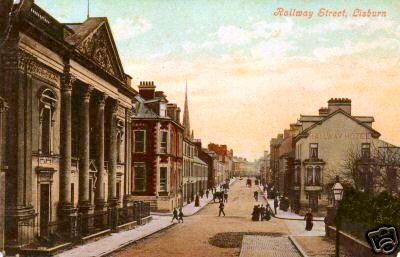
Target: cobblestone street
x=192, y=237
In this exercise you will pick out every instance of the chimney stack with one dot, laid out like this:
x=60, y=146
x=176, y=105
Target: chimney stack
x=323, y=111
x=339, y=103
x=147, y=89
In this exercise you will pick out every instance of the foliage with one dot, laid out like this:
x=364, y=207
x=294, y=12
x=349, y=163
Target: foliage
x=361, y=212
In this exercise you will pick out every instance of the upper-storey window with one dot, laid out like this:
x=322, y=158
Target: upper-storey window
x=164, y=142
x=140, y=141
x=47, y=107
x=366, y=150
x=313, y=151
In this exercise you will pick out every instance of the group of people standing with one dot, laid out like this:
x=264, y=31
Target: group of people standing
x=260, y=213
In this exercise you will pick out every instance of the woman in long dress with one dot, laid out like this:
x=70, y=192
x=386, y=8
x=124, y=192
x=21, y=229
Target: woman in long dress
x=309, y=217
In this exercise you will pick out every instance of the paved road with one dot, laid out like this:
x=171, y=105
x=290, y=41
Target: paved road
x=192, y=237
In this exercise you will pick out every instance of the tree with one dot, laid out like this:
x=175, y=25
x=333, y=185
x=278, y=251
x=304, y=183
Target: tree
x=375, y=169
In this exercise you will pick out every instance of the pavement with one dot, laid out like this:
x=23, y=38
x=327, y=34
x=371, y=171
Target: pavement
x=116, y=241
x=267, y=246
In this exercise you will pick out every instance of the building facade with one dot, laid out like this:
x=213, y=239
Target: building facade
x=322, y=147
x=157, y=150
x=68, y=124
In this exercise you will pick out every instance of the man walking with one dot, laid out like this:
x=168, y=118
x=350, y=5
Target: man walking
x=221, y=209
x=175, y=216
x=275, y=204
x=180, y=215
x=256, y=196
x=207, y=193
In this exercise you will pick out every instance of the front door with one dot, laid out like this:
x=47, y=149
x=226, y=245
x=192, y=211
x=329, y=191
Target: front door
x=44, y=209
x=313, y=202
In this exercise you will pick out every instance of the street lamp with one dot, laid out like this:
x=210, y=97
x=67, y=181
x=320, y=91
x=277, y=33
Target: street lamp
x=338, y=196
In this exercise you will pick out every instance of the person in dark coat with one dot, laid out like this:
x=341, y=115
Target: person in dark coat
x=175, y=216
x=180, y=215
x=221, y=208
x=255, y=215
x=197, y=201
x=275, y=204
x=267, y=214
x=207, y=193
x=309, y=218
x=256, y=195
x=262, y=212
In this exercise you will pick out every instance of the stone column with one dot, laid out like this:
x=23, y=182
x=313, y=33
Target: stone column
x=112, y=165
x=100, y=194
x=65, y=205
x=128, y=155
x=112, y=158
x=3, y=108
x=84, y=158
x=15, y=87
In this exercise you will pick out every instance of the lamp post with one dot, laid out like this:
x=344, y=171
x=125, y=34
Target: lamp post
x=338, y=196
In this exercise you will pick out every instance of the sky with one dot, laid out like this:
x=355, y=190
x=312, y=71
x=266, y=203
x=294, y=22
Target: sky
x=251, y=73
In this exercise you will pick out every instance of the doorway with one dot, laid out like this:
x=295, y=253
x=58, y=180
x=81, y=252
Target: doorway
x=44, y=215
x=313, y=202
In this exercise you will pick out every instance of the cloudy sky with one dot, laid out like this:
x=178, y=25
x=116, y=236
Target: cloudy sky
x=251, y=73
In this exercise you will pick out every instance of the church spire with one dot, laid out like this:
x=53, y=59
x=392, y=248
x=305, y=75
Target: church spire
x=186, y=122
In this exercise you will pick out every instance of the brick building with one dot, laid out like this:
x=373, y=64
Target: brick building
x=157, y=150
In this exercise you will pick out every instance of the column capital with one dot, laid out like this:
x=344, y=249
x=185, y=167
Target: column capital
x=102, y=99
x=114, y=106
x=87, y=92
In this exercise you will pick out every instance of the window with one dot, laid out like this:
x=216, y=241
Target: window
x=140, y=177
x=297, y=176
x=72, y=193
x=317, y=178
x=309, y=175
x=163, y=179
x=119, y=147
x=164, y=142
x=313, y=151
x=365, y=150
x=140, y=141
x=47, y=107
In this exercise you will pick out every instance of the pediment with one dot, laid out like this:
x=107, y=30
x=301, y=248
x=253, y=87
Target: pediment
x=93, y=39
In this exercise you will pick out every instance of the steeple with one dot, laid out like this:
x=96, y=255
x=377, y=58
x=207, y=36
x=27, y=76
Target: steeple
x=186, y=122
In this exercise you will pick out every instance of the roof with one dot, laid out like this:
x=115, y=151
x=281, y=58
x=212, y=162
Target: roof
x=198, y=160
x=142, y=111
x=325, y=118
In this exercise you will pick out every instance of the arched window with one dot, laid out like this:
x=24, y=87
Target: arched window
x=309, y=175
x=47, y=107
x=317, y=175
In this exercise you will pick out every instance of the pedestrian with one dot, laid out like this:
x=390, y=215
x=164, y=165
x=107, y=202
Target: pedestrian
x=255, y=214
x=275, y=204
x=309, y=218
x=262, y=212
x=267, y=215
x=180, y=215
x=207, y=193
x=256, y=196
x=221, y=209
x=175, y=215
x=197, y=201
